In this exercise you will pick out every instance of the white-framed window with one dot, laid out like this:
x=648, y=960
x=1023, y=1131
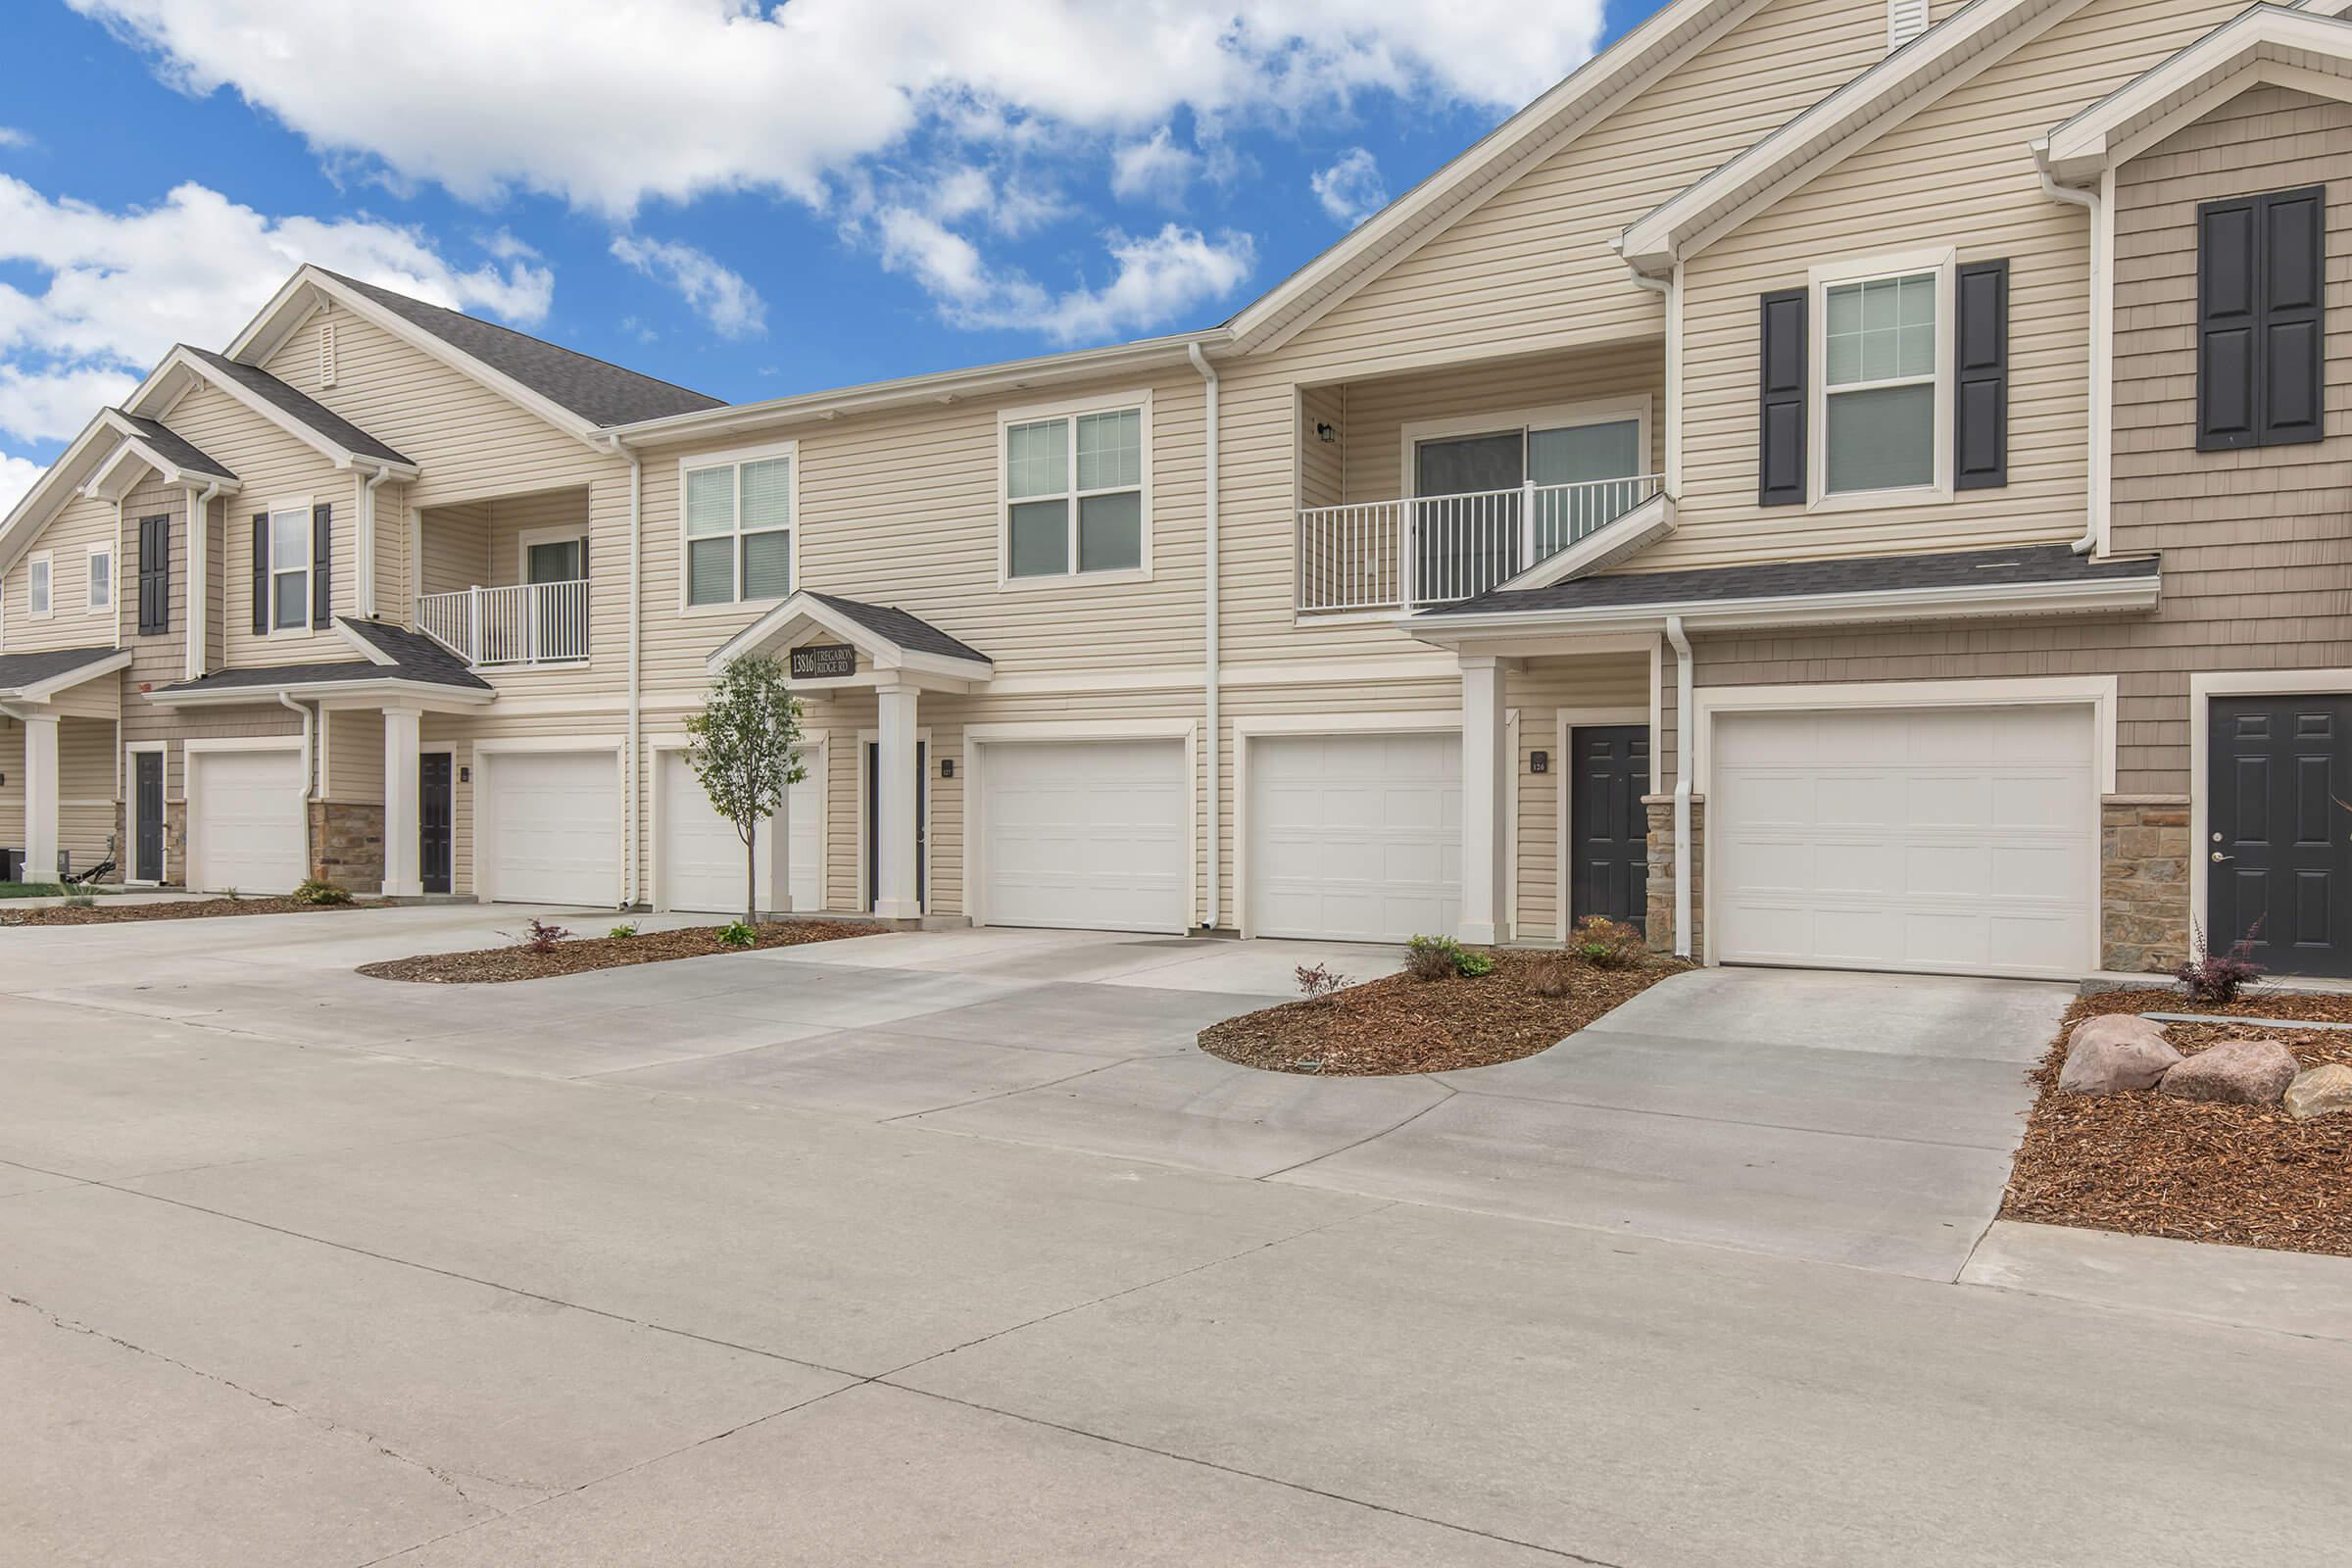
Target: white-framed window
x=102, y=578
x=1076, y=490
x=736, y=511
x=40, y=584
x=1882, y=395
x=290, y=567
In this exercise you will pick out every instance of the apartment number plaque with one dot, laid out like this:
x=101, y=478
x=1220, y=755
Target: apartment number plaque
x=824, y=662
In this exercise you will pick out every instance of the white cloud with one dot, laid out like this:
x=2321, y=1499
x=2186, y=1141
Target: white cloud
x=1351, y=189
x=11, y=136
x=16, y=477
x=717, y=293
x=1154, y=170
x=631, y=100
x=121, y=287
x=1155, y=277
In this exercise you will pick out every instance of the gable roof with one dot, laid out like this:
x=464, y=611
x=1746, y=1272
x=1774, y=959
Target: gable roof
x=2308, y=48
x=906, y=630
x=35, y=677
x=1868, y=104
x=602, y=393
x=392, y=655
x=891, y=639
x=172, y=447
x=303, y=408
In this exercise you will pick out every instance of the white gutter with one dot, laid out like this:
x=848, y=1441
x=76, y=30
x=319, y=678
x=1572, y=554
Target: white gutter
x=1670, y=289
x=366, y=541
x=2079, y=596
x=2101, y=351
x=310, y=789
x=1682, y=785
x=629, y=772
x=1216, y=732
x=197, y=577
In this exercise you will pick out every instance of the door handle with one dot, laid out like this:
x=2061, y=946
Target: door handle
x=2219, y=855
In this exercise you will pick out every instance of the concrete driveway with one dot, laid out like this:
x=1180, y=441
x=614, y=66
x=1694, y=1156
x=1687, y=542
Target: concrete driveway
x=951, y=1248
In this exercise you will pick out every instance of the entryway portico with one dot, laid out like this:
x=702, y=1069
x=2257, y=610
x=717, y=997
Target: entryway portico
x=51, y=699
x=834, y=645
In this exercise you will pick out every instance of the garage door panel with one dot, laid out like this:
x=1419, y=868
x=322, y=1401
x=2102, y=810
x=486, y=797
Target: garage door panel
x=702, y=855
x=555, y=821
x=249, y=830
x=1966, y=843
x=1354, y=837
x=1086, y=835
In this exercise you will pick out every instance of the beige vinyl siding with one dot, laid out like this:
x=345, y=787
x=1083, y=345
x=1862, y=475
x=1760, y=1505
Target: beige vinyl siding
x=355, y=756
x=1959, y=173
x=70, y=623
x=456, y=545
x=85, y=788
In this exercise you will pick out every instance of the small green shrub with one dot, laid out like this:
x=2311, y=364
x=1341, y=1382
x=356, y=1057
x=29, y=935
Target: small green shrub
x=317, y=890
x=1607, y=944
x=1431, y=957
x=736, y=934
x=629, y=930
x=1473, y=963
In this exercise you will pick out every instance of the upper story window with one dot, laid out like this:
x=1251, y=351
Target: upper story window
x=39, y=584
x=737, y=513
x=1077, y=489
x=1879, y=384
x=289, y=565
x=102, y=578
x=2261, y=279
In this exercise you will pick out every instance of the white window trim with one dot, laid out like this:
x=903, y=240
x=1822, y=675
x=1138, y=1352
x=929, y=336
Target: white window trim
x=547, y=536
x=310, y=557
x=89, y=595
x=1139, y=401
x=43, y=565
x=736, y=457
x=1942, y=261
x=1550, y=416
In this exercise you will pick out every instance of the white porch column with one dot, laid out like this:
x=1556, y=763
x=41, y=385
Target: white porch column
x=402, y=871
x=894, y=836
x=1487, y=767
x=40, y=797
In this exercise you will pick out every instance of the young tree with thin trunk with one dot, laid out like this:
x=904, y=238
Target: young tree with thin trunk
x=743, y=748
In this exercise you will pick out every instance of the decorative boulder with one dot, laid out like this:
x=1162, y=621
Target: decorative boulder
x=2319, y=1092
x=2113, y=1051
x=2238, y=1072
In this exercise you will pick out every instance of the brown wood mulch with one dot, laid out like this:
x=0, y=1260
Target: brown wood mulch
x=580, y=954
x=1399, y=1024
x=164, y=909
x=2154, y=1166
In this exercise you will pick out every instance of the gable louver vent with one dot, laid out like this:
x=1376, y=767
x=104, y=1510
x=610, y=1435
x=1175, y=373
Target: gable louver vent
x=1907, y=19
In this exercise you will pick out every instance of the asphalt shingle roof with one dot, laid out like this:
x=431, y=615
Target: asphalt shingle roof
x=20, y=670
x=309, y=410
x=169, y=443
x=417, y=657
x=1853, y=575
x=600, y=392
x=907, y=631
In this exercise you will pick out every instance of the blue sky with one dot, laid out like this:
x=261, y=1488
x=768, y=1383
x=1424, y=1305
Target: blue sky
x=749, y=199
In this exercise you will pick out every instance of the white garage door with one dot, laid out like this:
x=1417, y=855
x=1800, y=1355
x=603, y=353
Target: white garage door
x=555, y=827
x=1356, y=838
x=247, y=825
x=1961, y=841
x=702, y=859
x=1087, y=834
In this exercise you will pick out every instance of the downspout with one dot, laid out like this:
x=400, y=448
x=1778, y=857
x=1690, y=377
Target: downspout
x=2096, y=478
x=1208, y=376
x=368, y=537
x=310, y=786
x=1669, y=289
x=198, y=577
x=628, y=771
x=1682, y=785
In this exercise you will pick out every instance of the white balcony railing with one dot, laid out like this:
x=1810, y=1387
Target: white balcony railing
x=1437, y=550
x=522, y=623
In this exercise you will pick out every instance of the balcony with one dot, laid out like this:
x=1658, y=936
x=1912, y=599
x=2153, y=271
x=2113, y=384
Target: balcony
x=1420, y=551
x=514, y=626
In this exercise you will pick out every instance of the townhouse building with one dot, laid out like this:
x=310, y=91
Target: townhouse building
x=1845, y=482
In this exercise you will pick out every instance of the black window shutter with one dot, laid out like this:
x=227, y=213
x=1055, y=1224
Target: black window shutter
x=260, y=574
x=1781, y=405
x=2293, y=247
x=2261, y=328
x=1981, y=400
x=322, y=563
x=155, y=576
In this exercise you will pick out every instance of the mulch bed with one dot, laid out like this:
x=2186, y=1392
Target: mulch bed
x=492, y=966
x=166, y=909
x=2155, y=1166
x=1403, y=1026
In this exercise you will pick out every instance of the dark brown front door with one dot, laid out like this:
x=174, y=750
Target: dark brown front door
x=433, y=820
x=1608, y=832
x=2279, y=831
x=147, y=816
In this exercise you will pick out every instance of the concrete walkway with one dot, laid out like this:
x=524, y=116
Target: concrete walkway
x=950, y=1247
